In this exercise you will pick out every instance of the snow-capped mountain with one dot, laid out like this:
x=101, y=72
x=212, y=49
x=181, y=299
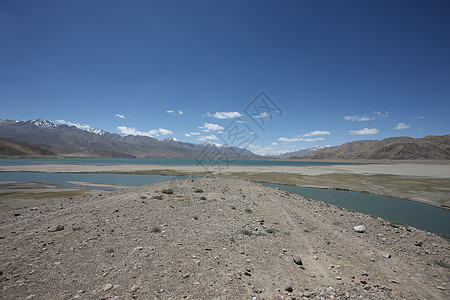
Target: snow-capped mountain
x=296, y=153
x=69, y=140
x=43, y=123
x=97, y=131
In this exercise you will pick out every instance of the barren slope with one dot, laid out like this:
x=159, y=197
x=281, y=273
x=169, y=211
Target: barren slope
x=213, y=238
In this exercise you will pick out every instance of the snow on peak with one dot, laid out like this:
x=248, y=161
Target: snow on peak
x=170, y=139
x=96, y=131
x=43, y=123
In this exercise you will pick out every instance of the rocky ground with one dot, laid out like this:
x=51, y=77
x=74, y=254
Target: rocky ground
x=213, y=239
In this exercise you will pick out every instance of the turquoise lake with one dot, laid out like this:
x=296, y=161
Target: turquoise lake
x=160, y=161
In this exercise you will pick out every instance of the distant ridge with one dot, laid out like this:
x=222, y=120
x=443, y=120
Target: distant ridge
x=71, y=141
x=395, y=148
x=296, y=153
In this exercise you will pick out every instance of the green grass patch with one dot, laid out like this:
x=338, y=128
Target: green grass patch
x=272, y=230
x=155, y=230
x=167, y=192
x=198, y=191
x=246, y=232
x=248, y=210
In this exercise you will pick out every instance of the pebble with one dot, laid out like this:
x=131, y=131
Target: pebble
x=107, y=287
x=138, y=248
x=387, y=255
x=56, y=228
x=297, y=260
x=288, y=287
x=81, y=291
x=134, y=288
x=360, y=229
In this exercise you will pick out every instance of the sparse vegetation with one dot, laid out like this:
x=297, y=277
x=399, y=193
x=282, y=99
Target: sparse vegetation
x=271, y=230
x=158, y=197
x=195, y=217
x=198, y=191
x=336, y=223
x=109, y=250
x=246, y=232
x=202, y=198
x=143, y=197
x=233, y=207
x=248, y=210
x=168, y=191
x=76, y=228
x=442, y=264
x=155, y=230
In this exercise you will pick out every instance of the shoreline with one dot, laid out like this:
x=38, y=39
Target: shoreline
x=427, y=184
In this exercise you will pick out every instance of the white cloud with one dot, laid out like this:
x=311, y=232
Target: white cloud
x=180, y=112
x=262, y=115
x=364, y=131
x=210, y=137
x=317, y=132
x=401, y=126
x=363, y=118
x=210, y=126
x=80, y=126
x=169, y=111
x=120, y=116
x=224, y=115
x=274, y=143
x=150, y=133
x=359, y=118
x=187, y=135
x=195, y=133
x=299, y=139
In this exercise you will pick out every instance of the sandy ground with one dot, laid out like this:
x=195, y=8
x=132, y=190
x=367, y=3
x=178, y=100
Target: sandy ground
x=213, y=239
x=407, y=169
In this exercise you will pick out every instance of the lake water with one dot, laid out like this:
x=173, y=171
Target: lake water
x=419, y=215
x=423, y=216
x=161, y=161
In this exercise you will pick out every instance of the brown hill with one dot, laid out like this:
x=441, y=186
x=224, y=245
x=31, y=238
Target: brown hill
x=11, y=148
x=399, y=148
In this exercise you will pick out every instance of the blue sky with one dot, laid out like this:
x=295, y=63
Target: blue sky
x=337, y=71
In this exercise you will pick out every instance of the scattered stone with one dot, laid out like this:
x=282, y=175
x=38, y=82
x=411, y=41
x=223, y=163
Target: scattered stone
x=338, y=277
x=360, y=229
x=16, y=215
x=315, y=257
x=387, y=255
x=288, y=287
x=418, y=244
x=33, y=208
x=247, y=273
x=134, y=288
x=297, y=260
x=441, y=288
x=107, y=287
x=81, y=291
x=30, y=297
x=56, y=228
x=138, y=248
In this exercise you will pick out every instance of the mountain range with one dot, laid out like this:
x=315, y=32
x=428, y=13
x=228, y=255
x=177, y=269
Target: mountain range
x=44, y=138
x=41, y=138
x=395, y=148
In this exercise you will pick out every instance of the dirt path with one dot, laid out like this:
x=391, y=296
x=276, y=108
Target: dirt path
x=213, y=239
